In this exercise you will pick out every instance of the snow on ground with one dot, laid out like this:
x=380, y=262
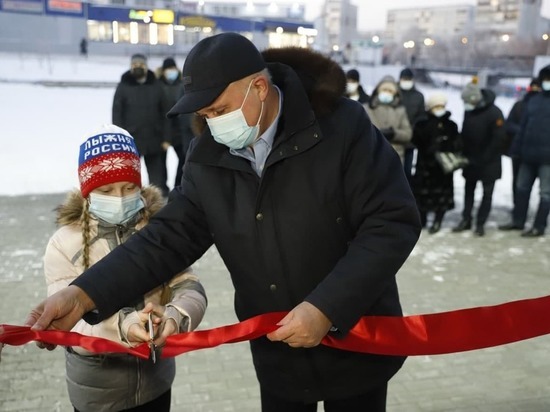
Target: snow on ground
x=43, y=126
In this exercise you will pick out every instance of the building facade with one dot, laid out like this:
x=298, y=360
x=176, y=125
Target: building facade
x=123, y=26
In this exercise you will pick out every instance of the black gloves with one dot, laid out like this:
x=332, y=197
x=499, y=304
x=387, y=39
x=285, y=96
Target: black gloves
x=388, y=133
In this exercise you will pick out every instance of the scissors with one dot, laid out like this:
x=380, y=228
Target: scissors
x=151, y=338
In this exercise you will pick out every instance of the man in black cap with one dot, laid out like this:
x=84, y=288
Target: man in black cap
x=354, y=90
x=139, y=106
x=308, y=206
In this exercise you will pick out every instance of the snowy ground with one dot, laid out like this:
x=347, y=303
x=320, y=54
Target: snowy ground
x=43, y=126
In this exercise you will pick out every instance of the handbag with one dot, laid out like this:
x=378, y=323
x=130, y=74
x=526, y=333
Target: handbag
x=450, y=161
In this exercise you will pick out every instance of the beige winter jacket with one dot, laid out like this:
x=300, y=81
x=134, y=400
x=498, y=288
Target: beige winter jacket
x=63, y=262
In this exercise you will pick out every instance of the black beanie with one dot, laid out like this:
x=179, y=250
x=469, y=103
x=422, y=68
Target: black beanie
x=544, y=73
x=406, y=73
x=353, y=75
x=168, y=63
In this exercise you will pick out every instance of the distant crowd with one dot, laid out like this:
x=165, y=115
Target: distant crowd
x=432, y=147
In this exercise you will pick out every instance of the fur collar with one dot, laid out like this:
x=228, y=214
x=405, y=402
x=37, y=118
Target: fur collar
x=70, y=211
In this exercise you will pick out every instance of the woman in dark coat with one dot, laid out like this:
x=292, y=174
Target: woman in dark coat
x=432, y=187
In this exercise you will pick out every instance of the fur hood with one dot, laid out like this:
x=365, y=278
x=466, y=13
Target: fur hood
x=323, y=79
x=71, y=210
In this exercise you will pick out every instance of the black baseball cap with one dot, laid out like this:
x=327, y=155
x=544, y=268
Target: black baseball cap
x=211, y=65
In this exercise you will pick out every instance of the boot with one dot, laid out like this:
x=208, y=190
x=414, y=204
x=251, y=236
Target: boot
x=480, y=231
x=510, y=226
x=532, y=233
x=464, y=224
x=436, y=226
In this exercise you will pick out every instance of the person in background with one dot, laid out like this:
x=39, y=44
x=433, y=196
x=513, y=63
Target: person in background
x=413, y=100
x=178, y=130
x=387, y=112
x=354, y=90
x=110, y=206
x=260, y=184
x=433, y=189
x=533, y=148
x=84, y=47
x=513, y=127
x=483, y=135
x=140, y=106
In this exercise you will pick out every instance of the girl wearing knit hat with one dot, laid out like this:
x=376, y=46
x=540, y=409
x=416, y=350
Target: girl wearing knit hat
x=110, y=206
x=431, y=184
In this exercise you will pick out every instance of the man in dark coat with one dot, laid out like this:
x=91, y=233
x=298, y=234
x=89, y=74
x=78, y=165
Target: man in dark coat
x=413, y=100
x=533, y=149
x=308, y=206
x=483, y=135
x=140, y=106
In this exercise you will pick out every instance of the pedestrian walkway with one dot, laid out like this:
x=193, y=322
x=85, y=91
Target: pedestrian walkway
x=446, y=271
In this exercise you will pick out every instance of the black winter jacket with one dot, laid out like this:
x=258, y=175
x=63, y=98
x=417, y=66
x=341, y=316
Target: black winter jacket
x=331, y=221
x=483, y=137
x=533, y=144
x=141, y=109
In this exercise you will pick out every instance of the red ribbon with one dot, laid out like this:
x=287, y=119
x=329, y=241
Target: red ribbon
x=430, y=334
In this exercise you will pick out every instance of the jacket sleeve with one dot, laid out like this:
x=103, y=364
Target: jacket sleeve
x=118, y=107
x=188, y=298
x=174, y=238
x=59, y=271
x=403, y=130
x=497, y=137
x=385, y=223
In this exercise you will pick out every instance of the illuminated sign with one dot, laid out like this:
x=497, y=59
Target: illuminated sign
x=22, y=6
x=155, y=16
x=196, y=21
x=64, y=5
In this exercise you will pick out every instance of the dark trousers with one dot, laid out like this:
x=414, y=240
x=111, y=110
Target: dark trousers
x=160, y=404
x=156, y=169
x=486, y=201
x=373, y=401
x=408, y=160
x=528, y=173
x=515, y=171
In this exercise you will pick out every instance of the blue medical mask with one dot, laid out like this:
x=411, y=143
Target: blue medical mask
x=469, y=107
x=114, y=209
x=439, y=112
x=232, y=130
x=385, y=97
x=171, y=75
x=545, y=85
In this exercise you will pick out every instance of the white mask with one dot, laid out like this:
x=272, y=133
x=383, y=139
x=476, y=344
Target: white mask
x=115, y=209
x=439, y=112
x=351, y=87
x=171, y=75
x=385, y=97
x=469, y=107
x=545, y=85
x=406, y=84
x=232, y=130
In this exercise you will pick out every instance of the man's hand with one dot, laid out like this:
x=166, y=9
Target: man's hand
x=303, y=327
x=60, y=311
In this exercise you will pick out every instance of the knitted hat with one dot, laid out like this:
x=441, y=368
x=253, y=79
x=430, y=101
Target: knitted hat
x=436, y=99
x=352, y=75
x=471, y=94
x=109, y=155
x=138, y=59
x=168, y=63
x=406, y=73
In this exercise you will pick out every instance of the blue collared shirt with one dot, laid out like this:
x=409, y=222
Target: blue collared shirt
x=257, y=155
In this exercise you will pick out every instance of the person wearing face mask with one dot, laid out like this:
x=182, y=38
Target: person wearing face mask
x=413, y=100
x=532, y=146
x=432, y=187
x=110, y=206
x=308, y=206
x=483, y=136
x=354, y=90
x=139, y=106
x=179, y=132
x=387, y=112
